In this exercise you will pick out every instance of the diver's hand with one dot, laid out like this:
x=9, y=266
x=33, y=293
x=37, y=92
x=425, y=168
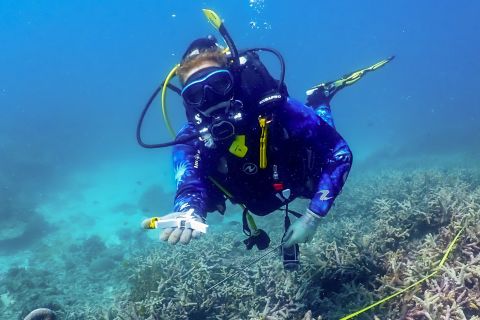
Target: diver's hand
x=302, y=230
x=184, y=235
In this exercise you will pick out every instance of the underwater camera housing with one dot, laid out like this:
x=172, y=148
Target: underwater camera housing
x=291, y=257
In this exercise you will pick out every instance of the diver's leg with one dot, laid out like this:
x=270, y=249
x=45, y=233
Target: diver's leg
x=319, y=97
x=323, y=93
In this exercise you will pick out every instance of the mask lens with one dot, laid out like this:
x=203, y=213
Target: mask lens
x=219, y=82
x=194, y=94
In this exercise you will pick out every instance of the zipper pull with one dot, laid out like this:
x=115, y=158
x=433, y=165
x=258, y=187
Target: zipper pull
x=275, y=173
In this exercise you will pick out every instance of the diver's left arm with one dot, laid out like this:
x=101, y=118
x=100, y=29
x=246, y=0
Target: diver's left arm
x=191, y=197
x=333, y=168
x=333, y=160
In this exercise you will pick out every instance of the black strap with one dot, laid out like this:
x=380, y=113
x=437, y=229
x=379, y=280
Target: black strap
x=287, y=218
x=174, y=88
x=295, y=213
x=140, y=123
x=246, y=228
x=286, y=222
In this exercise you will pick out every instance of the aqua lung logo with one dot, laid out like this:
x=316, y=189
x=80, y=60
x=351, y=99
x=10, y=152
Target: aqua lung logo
x=250, y=168
x=324, y=195
x=270, y=98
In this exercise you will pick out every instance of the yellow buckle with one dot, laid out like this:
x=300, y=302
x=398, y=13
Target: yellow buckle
x=263, y=142
x=238, y=147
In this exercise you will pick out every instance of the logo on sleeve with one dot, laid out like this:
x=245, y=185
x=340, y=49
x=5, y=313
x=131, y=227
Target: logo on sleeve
x=250, y=168
x=324, y=195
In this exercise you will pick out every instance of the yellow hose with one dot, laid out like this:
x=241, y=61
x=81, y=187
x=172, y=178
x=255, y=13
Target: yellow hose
x=170, y=75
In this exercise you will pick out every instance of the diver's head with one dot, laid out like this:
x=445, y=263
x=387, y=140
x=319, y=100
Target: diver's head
x=207, y=81
x=201, y=53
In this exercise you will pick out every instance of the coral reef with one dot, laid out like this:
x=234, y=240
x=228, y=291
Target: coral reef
x=175, y=285
x=25, y=178
x=387, y=231
x=19, y=234
x=449, y=201
x=76, y=282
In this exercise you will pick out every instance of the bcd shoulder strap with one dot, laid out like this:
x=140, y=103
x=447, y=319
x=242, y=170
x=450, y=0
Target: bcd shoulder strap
x=258, y=88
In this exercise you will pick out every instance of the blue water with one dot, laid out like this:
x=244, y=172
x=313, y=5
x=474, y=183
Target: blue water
x=74, y=76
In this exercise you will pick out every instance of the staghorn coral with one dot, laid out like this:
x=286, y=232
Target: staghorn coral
x=456, y=292
x=412, y=218
x=181, y=292
x=386, y=231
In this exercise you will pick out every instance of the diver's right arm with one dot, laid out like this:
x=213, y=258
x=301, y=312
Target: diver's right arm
x=191, y=183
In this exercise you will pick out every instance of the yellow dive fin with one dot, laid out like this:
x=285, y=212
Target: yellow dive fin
x=353, y=77
x=325, y=91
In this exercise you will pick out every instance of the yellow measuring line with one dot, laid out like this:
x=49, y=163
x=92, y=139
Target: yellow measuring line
x=437, y=269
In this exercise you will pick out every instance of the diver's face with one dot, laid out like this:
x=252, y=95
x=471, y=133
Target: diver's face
x=207, y=88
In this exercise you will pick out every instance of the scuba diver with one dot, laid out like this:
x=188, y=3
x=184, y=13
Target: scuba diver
x=248, y=141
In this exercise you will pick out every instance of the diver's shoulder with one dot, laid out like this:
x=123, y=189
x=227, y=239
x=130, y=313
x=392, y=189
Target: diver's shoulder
x=291, y=105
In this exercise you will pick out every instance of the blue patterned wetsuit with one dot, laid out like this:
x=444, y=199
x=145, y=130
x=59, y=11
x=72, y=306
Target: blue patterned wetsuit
x=311, y=158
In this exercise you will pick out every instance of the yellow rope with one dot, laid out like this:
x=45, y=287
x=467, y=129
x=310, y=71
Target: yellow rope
x=437, y=269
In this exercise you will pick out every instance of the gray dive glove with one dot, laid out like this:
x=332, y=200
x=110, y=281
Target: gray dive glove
x=302, y=230
x=178, y=226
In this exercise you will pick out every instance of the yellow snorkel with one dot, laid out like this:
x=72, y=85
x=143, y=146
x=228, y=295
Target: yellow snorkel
x=170, y=75
x=216, y=21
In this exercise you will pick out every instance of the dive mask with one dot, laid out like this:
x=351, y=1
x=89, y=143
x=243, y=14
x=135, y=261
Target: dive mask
x=207, y=88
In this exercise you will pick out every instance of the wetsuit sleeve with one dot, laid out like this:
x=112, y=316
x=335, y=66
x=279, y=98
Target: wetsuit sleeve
x=332, y=156
x=336, y=162
x=190, y=175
